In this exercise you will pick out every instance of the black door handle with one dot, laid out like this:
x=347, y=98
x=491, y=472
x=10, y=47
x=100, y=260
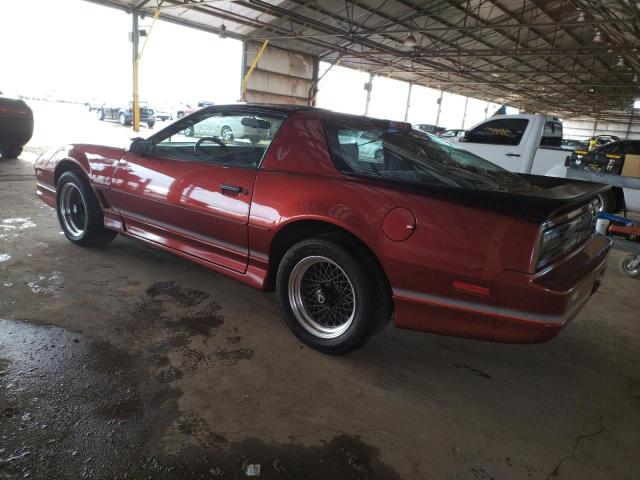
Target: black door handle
x=512, y=154
x=225, y=187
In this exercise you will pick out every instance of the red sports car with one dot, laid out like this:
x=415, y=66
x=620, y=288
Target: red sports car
x=426, y=233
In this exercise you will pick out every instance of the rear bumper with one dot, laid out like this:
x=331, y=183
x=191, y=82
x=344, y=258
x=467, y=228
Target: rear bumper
x=16, y=129
x=529, y=308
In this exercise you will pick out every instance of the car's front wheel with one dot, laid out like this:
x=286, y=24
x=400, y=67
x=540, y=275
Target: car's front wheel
x=123, y=119
x=79, y=213
x=331, y=299
x=151, y=124
x=100, y=114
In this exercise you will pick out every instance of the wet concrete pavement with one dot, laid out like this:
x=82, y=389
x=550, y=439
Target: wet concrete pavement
x=126, y=362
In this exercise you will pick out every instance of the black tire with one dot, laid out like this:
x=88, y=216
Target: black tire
x=371, y=306
x=608, y=202
x=100, y=114
x=179, y=115
x=122, y=119
x=11, y=151
x=93, y=230
x=151, y=124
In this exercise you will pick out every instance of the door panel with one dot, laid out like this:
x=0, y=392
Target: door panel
x=181, y=204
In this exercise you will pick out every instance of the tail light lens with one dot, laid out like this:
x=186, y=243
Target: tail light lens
x=558, y=239
x=17, y=110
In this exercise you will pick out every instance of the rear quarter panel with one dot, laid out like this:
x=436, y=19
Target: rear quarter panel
x=451, y=240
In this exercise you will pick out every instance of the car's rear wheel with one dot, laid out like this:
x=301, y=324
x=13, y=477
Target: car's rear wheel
x=100, y=114
x=123, y=119
x=151, y=124
x=79, y=213
x=331, y=300
x=11, y=151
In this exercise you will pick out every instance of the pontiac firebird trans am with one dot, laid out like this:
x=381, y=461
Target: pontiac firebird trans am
x=352, y=220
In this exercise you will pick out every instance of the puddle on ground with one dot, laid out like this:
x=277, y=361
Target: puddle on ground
x=75, y=408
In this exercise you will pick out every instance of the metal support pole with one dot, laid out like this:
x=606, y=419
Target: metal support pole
x=252, y=68
x=370, y=87
x=137, y=55
x=135, y=39
x=406, y=110
x=243, y=66
x=439, y=107
x=464, y=113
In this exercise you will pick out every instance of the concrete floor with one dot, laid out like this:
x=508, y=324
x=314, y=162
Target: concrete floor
x=126, y=362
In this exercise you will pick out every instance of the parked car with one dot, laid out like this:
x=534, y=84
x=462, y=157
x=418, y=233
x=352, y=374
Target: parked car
x=525, y=143
x=124, y=115
x=425, y=127
x=163, y=115
x=440, y=238
x=454, y=133
x=230, y=129
x=93, y=105
x=568, y=144
x=16, y=125
x=188, y=109
x=609, y=158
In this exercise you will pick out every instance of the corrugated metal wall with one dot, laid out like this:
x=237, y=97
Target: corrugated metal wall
x=582, y=129
x=280, y=76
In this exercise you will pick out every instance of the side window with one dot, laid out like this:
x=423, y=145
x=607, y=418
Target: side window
x=362, y=149
x=504, y=131
x=234, y=140
x=551, y=135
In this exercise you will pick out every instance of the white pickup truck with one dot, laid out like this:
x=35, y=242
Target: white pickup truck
x=526, y=143
x=530, y=143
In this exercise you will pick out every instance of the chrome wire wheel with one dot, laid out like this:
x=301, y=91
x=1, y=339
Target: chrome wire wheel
x=322, y=297
x=73, y=210
x=226, y=134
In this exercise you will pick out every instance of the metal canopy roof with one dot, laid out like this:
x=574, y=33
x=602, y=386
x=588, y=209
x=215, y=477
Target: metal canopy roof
x=566, y=57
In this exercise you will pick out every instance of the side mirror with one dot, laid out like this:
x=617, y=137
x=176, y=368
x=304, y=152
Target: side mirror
x=139, y=146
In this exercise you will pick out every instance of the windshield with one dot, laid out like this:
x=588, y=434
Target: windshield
x=395, y=151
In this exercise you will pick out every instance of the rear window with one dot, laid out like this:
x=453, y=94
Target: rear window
x=551, y=135
x=394, y=151
x=502, y=131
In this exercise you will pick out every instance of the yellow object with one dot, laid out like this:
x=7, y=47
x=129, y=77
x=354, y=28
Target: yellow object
x=252, y=68
x=136, y=67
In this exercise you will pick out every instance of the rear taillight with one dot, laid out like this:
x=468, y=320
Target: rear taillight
x=558, y=239
x=14, y=110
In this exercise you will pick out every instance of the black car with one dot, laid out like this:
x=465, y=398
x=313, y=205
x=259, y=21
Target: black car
x=609, y=159
x=16, y=126
x=124, y=115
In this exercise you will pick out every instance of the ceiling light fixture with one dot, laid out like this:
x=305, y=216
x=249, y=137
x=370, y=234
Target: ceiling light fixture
x=620, y=63
x=581, y=15
x=410, y=41
x=597, y=37
x=635, y=79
